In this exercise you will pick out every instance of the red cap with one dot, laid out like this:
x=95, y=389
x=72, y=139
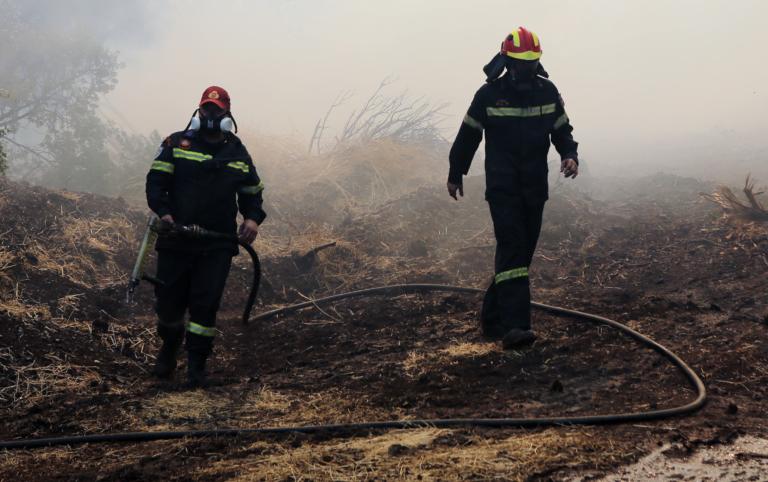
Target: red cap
x=217, y=95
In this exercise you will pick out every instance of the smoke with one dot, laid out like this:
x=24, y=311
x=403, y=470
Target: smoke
x=118, y=24
x=649, y=86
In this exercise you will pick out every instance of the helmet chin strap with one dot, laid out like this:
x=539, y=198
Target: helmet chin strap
x=498, y=64
x=494, y=68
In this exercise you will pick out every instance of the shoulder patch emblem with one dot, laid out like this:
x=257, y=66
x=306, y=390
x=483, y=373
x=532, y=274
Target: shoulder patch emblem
x=502, y=103
x=185, y=144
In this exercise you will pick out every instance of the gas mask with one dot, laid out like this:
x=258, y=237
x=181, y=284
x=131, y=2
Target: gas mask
x=224, y=123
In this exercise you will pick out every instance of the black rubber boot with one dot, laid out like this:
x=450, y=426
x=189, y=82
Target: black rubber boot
x=165, y=363
x=490, y=317
x=196, y=377
x=517, y=338
x=514, y=303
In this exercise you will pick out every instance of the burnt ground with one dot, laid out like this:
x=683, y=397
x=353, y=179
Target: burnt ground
x=73, y=360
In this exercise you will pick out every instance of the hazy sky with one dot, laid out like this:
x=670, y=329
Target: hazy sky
x=633, y=73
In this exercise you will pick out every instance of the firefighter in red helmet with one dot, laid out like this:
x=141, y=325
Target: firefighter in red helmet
x=520, y=113
x=201, y=176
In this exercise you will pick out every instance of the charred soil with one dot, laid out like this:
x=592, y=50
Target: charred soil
x=74, y=359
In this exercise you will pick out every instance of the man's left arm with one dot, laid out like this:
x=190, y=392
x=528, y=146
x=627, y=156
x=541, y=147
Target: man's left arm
x=562, y=138
x=250, y=201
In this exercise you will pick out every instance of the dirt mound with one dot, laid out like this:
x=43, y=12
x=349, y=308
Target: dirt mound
x=64, y=258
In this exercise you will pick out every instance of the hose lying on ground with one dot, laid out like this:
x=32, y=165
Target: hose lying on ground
x=347, y=428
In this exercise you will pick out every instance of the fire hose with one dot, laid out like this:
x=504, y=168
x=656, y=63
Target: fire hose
x=157, y=228
x=343, y=429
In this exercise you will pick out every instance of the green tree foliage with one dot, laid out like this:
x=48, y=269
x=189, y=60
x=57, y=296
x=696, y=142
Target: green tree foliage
x=54, y=69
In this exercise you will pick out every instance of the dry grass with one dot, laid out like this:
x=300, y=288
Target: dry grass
x=129, y=339
x=17, y=309
x=25, y=384
x=268, y=400
x=425, y=454
x=84, y=253
x=262, y=407
x=418, y=363
x=7, y=261
x=177, y=410
x=269, y=245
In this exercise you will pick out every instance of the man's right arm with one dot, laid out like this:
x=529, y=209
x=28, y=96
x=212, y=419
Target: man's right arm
x=467, y=140
x=160, y=180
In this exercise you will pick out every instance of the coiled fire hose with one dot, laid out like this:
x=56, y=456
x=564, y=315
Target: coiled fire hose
x=353, y=428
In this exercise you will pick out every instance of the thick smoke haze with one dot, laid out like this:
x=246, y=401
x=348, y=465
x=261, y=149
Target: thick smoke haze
x=654, y=85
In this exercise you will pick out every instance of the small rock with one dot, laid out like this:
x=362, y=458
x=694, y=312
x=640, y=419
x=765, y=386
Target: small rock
x=395, y=450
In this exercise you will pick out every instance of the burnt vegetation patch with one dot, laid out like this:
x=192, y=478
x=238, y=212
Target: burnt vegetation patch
x=74, y=357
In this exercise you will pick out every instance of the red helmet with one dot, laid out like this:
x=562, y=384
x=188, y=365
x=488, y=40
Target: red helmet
x=216, y=95
x=522, y=44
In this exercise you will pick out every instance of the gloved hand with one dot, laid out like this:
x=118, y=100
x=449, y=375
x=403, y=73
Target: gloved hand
x=569, y=168
x=166, y=224
x=248, y=231
x=454, y=188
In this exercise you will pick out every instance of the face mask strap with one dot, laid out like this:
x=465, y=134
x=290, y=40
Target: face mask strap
x=192, y=121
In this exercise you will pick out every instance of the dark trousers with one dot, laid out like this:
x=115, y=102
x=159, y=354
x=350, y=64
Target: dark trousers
x=516, y=224
x=193, y=282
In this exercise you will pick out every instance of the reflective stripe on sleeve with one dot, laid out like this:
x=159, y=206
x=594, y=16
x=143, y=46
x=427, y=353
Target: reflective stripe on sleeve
x=201, y=330
x=521, y=272
x=162, y=166
x=471, y=122
x=252, y=189
x=239, y=165
x=561, y=121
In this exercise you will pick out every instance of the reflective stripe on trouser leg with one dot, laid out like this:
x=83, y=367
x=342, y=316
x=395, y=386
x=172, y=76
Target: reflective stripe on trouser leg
x=201, y=330
x=200, y=338
x=514, y=273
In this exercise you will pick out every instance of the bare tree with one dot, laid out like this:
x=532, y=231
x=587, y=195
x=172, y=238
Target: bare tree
x=400, y=117
x=322, y=124
x=730, y=203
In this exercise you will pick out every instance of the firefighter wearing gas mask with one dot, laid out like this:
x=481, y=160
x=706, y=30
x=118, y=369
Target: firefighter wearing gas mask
x=520, y=113
x=201, y=176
